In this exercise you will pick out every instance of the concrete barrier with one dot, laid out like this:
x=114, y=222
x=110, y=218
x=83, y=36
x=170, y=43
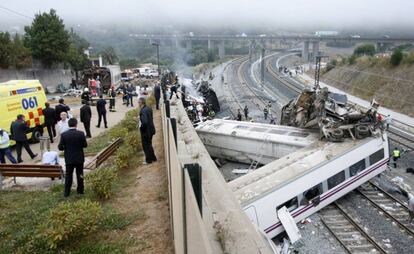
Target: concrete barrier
x=47, y=77
x=221, y=227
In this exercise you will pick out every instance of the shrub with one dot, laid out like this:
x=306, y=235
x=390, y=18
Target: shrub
x=351, y=59
x=122, y=157
x=118, y=132
x=133, y=140
x=69, y=220
x=365, y=49
x=101, y=181
x=396, y=57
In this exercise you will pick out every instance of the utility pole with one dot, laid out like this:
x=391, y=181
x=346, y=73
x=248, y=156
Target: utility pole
x=157, y=45
x=318, y=58
x=262, y=65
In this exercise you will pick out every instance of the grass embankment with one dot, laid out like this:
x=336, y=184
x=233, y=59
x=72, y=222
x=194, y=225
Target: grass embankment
x=375, y=78
x=96, y=222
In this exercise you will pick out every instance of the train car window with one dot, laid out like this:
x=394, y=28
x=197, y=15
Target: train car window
x=256, y=129
x=357, y=167
x=299, y=134
x=376, y=157
x=336, y=179
x=311, y=193
x=290, y=204
x=277, y=132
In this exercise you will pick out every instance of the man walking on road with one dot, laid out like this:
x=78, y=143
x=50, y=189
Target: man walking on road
x=85, y=118
x=5, y=148
x=100, y=107
x=157, y=95
x=72, y=143
x=61, y=107
x=130, y=94
x=50, y=121
x=18, y=130
x=147, y=130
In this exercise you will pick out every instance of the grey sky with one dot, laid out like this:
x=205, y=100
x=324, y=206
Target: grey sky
x=312, y=14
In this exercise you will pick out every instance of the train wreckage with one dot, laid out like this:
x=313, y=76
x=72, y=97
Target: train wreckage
x=335, y=117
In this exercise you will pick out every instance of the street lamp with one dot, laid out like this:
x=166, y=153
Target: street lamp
x=158, y=57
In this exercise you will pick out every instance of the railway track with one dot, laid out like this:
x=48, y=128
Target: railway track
x=346, y=230
x=390, y=206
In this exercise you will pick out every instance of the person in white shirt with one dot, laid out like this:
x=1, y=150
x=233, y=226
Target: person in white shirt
x=63, y=123
x=50, y=158
x=388, y=121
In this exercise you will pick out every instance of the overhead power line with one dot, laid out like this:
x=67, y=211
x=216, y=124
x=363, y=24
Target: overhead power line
x=15, y=12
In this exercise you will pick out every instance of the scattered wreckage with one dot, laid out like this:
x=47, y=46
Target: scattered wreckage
x=335, y=117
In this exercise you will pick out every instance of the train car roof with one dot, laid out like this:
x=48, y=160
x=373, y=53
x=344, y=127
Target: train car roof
x=249, y=130
x=286, y=169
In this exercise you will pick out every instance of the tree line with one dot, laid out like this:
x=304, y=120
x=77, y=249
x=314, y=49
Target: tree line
x=45, y=40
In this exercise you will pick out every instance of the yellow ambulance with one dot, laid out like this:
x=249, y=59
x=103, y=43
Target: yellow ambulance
x=26, y=97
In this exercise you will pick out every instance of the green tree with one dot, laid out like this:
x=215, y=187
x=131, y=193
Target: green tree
x=365, y=49
x=6, y=50
x=129, y=63
x=197, y=56
x=396, y=57
x=75, y=55
x=22, y=57
x=47, y=38
x=109, y=55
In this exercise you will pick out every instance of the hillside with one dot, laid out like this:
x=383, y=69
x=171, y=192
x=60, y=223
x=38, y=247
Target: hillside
x=372, y=77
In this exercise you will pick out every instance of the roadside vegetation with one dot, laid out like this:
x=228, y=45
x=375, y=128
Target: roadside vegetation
x=45, y=222
x=387, y=77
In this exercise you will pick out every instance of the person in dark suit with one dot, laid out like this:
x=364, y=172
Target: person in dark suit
x=100, y=107
x=173, y=89
x=72, y=143
x=50, y=121
x=18, y=130
x=147, y=130
x=61, y=107
x=85, y=117
x=157, y=95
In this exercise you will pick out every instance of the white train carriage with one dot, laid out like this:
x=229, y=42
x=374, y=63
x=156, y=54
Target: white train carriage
x=309, y=179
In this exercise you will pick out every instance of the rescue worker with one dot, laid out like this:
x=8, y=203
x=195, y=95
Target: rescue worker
x=246, y=112
x=112, y=95
x=239, y=115
x=173, y=89
x=86, y=95
x=379, y=120
x=395, y=156
x=265, y=113
x=5, y=148
x=388, y=121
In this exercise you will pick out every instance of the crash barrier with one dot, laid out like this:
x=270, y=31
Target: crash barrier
x=29, y=170
x=188, y=230
x=103, y=155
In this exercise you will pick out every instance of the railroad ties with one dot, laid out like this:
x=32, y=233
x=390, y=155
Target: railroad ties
x=388, y=205
x=346, y=230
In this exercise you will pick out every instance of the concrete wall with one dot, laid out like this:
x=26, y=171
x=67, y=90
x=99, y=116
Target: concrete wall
x=47, y=77
x=223, y=226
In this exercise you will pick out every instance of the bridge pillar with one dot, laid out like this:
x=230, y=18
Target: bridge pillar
x=176, y=42
x=221, y=50
x=305, y=51
x=188, y=44
x=209, y=45
x=251, y=43
x=315, y=49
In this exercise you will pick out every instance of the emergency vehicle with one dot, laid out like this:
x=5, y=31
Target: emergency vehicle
x=26, y=97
